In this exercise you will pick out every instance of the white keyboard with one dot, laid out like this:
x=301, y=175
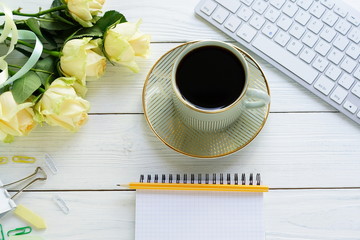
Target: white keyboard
x=315, y=42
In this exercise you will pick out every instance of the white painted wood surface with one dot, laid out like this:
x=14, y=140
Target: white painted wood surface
x=304, y=144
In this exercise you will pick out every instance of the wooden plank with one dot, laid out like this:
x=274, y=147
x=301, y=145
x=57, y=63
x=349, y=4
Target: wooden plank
x=293, y=150
x=298, y=215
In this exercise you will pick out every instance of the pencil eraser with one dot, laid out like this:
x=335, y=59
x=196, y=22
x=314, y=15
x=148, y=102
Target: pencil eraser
x=30, y=217
x=25, y=237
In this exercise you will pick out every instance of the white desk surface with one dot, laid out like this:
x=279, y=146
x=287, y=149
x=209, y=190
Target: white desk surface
x=308, y=152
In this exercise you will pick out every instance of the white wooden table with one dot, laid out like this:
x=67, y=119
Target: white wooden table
x=308, y=153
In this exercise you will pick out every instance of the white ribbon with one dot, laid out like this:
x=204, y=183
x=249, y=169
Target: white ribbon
x=10, y=30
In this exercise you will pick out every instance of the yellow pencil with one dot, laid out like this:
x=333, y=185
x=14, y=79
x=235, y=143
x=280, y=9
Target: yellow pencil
x=198, y=187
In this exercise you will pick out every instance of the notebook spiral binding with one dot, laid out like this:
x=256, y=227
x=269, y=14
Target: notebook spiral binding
x=230, y=179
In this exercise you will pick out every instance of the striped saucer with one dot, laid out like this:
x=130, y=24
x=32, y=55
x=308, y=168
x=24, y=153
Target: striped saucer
x=164, y=121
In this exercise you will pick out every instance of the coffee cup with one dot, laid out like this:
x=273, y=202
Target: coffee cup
x=210, y=84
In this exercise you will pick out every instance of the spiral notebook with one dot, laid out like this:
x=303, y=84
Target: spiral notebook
x=209, y=208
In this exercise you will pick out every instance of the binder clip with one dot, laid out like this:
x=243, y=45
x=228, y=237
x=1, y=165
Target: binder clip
x=6, y=201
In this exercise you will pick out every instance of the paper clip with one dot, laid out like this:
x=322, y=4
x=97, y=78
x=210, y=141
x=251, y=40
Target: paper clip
x=62, y=204
x=23, y=159
x=19, y=231
x=3, y=160
x=2, y=237
x=50, y=163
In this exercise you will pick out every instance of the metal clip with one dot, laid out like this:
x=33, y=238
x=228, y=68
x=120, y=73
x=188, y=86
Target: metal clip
x=23, y=159
x=3, y=160
x=2, y=237
x=19, y=231
x=37, y=170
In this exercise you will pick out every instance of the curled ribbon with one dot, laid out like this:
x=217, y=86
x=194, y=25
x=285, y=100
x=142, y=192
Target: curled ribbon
x=10, y=30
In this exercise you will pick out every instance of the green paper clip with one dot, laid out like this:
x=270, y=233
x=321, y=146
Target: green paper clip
x=2, y=233
x=23, y=159
x=3, y=160
x=19, y=231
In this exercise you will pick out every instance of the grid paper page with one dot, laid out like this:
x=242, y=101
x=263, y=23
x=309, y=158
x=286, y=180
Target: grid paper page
x=197, y=215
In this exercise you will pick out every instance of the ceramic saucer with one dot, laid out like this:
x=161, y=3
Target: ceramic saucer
x=165, y=122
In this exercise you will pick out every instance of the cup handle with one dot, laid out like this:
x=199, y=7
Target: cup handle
x=263, y=98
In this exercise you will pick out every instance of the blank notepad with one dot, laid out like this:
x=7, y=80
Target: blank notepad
x=198, y=215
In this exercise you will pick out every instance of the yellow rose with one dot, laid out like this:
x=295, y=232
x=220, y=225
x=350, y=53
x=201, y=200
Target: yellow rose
x=82, y=59
x=124, y=41
x=61, y=106
x=83, y=11
x=15, y=119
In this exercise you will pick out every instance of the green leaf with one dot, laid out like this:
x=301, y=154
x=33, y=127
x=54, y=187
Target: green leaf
x=25, y=86
x=109, y=19
x=23, y=51
x=47, y=64
x=49, y=38
x=51, y=24
x=93, y=32
x=34, y=26
x=56, y=3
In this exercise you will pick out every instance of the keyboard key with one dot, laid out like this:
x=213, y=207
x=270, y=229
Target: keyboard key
x=346, y=81
x=284, y=22
x=290, y=9
x=208, y=7
x=354, y=20
x=324, y=85
x=322, y=47
x=317, y=10
x=220, y=14
x=357, y=73
x=353, y=51
x=341, y=42
x=358, y=114
x=257, y=21
x=231, y=5
x=335, y=56
x=284, y=58
x=333, y=72
x=277, y=3
x=304, y=4
x=247, y=2
x=348, y=65
x=315, y=25
x=339, y=95
x=350, y=107
x=309, y=39
x=342, y=26
x=282, y=38
x=302, y=17
x=328, y=34
x=246, y=32
x=297, y=31
x=320, y=63
x=356, y=89
x=341, y=11
x=294, y=46
x=245, y=13
x=260, y=6
x=328, y=3
x=232, y=23
x=354, y=35
x=307, y=55
x=272, y=14
x=270, y=30
x=330, y=18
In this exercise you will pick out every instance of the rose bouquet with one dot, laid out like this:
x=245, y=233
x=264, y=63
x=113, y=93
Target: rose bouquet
x=73, y=43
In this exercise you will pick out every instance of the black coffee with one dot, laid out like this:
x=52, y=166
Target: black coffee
x=210, y=77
